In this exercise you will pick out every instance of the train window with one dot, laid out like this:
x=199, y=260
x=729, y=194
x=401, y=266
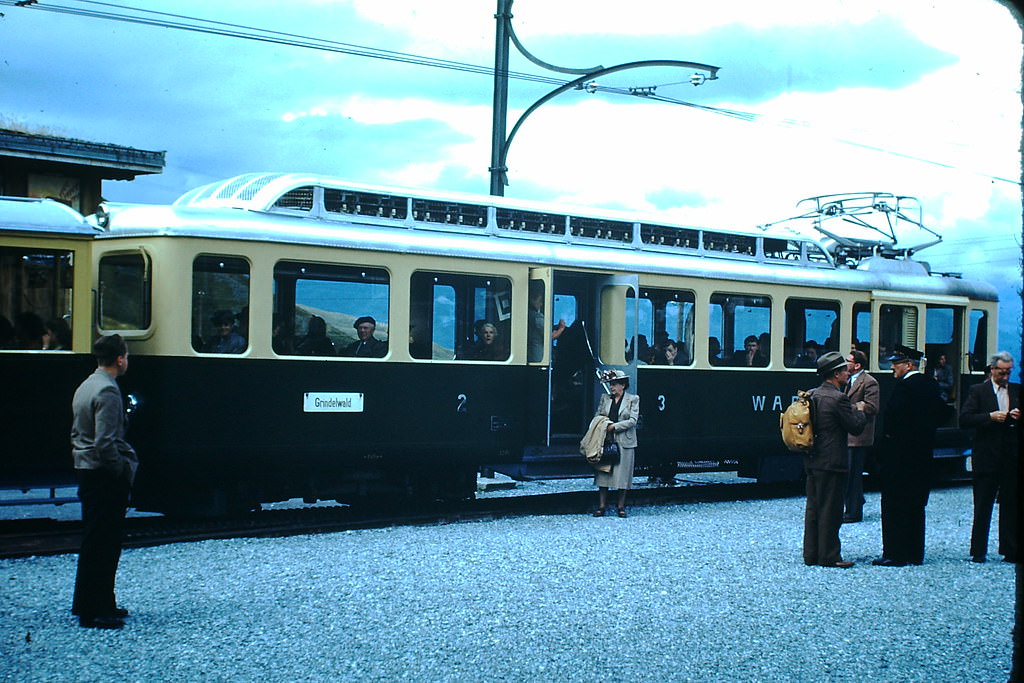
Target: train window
x=463, y=317
x=124, y=292
x=862, y=327
x=739, y=330
x=36, y=287
x=220, y=304
x=896, y=325
x=978, y=340
x=812, y=328
x=328, y=310
x=665, y=327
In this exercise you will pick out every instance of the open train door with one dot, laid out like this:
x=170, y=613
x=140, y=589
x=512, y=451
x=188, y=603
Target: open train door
x=600, y=316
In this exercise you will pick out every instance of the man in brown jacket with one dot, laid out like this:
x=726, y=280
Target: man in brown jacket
x=833, y=417
x=863, y=392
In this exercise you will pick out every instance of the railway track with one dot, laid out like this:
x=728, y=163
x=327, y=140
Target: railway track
x=25, y=538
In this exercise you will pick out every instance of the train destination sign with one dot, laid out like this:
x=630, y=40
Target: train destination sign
x=332, y=402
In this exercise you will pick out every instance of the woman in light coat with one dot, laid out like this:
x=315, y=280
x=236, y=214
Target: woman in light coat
x=623, y=409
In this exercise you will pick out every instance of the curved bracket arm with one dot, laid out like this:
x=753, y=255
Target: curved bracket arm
x=713, y=70
x=539, y=62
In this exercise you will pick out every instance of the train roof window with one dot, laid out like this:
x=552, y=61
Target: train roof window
x=449, y=213
x=598, y=228
x=657, y=235
x=731, y=244
x=365, y=204
x=530, y=221
x=299, y=199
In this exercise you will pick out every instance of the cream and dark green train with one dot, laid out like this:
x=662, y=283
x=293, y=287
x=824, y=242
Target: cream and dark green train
x=240, y=304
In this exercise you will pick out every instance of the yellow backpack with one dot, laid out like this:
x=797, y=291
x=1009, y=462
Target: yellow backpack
x=795, y=424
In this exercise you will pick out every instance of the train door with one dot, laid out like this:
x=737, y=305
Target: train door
x=600, y=329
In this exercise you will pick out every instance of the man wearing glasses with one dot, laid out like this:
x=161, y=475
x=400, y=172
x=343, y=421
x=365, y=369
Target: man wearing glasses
x=992, y=408
x=911, y=417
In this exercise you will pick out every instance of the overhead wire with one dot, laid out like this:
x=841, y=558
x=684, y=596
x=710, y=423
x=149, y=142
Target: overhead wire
x=169, y=20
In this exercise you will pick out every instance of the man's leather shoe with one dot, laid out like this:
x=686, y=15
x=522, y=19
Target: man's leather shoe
x=100, y=622
x=851, y=520
x=886, y=562
x=978, y=558
x=117, y=613
x=843, y=564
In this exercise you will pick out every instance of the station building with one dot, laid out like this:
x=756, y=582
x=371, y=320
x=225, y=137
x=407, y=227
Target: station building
x=68, y=170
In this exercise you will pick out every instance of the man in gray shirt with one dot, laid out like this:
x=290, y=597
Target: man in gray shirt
x=105, y=465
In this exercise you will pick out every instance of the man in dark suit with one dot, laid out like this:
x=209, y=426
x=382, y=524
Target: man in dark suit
x=105, y=465
x=366, y=346
x=992, y=408
x=833, y=418
x=913, y=413
x=863, y=393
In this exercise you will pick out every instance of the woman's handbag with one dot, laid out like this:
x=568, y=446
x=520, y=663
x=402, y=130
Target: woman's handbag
x=610, y=454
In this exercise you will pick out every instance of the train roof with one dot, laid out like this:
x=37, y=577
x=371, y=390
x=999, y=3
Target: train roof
x=43, y=215
x=316, y=211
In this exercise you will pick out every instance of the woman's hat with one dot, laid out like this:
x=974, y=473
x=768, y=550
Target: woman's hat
x=614, y=376
x=830, y=362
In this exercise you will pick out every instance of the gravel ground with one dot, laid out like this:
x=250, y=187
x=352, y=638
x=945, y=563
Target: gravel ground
x=703, y=591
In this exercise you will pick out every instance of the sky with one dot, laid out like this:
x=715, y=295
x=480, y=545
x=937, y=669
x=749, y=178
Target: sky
x=919, y=98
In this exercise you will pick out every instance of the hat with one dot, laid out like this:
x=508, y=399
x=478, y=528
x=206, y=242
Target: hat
x=830, y=362
x=364, y=319
x=614, y=376
x=905, y=353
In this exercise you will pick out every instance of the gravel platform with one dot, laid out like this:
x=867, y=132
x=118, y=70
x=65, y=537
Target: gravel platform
x=695, y=592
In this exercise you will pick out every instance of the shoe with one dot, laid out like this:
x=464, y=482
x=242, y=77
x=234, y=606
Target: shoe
x=117, y=613
x=599, y=512
x=100, y=622
x=621, y=512
x=842, y=564
x=886, y=562
x=978, y=558
x=851, y=520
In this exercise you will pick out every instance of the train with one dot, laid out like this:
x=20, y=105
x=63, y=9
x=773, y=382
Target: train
x=301, y=336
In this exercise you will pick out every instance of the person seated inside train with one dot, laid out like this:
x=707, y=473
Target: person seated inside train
x=943, y=374
x=883, y=357
x=316, y=342
x=29, y=331
x=715, y=352
x=226, y=339
x=282, y=342
x=58, y=335
x=751, y=355
x=809, y=357
x=672, y=356
x=366, y=346
x=488, y=347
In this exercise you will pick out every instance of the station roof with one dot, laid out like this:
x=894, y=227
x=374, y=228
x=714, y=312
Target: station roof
x=114, y=162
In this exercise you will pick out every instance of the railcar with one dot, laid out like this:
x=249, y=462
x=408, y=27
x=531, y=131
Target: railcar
x=245, y=302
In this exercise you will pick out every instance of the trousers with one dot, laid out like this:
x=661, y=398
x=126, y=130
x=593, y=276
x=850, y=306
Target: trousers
x=104, y=499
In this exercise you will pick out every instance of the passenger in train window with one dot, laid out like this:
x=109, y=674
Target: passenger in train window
x=316, y=342
x=671, y=352
x=367, y=346
x=282, y=342
x=715, y=352
x=883, y=357
x=752, y=357
x=488, y=347
x=226, y=340
x=58, y=335
x=29, y=331
x=809, y=357
x=535, y=332
x=623, y=409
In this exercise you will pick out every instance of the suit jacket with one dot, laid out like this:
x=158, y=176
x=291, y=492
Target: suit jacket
x=98, y=425
x=994, y=442
x=914, y=411
x=629, y=413
x=865, y=389
x=833, y=418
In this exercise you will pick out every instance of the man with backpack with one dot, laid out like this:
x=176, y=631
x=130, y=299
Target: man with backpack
x=833, y=418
